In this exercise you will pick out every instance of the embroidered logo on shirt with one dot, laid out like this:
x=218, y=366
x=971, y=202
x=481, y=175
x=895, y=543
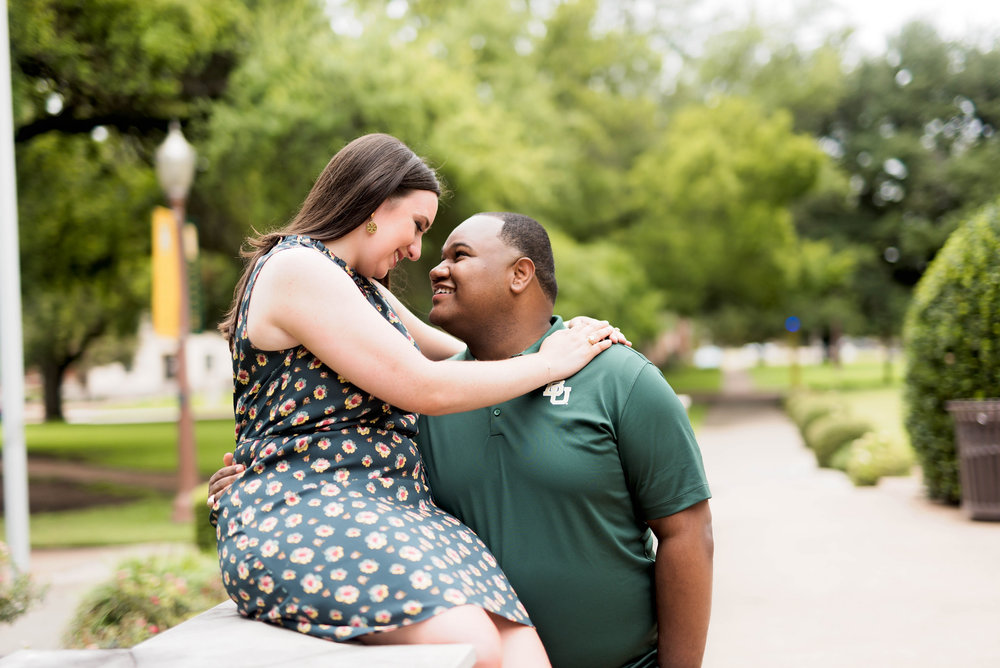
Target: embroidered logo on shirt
x=557, y=392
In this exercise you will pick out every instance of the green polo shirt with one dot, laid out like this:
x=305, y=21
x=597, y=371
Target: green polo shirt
x=559, y=483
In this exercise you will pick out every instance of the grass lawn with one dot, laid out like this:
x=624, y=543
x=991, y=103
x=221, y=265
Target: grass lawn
x=882, y=407
x=856, y=376
x=144, y=521
x=146, y=447
x=691, y=380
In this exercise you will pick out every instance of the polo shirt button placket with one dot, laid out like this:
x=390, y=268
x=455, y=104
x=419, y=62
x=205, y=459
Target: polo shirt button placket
x=496, y=412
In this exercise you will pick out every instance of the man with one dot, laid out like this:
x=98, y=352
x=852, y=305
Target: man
x=568, y=485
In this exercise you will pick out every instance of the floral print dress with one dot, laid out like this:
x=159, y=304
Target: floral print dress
x=331, y=529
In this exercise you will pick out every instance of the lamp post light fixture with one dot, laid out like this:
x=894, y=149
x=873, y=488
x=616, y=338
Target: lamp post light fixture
x=175, y=165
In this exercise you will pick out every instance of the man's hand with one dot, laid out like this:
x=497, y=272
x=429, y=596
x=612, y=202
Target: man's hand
x=223, y=478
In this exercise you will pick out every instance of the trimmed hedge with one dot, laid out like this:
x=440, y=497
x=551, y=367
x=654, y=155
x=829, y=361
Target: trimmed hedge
x=804, y=409
x=874, y=455
x=833, y=432
x=951, y=337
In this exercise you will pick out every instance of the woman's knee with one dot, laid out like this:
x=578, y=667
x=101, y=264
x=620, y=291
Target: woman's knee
x=474, y=626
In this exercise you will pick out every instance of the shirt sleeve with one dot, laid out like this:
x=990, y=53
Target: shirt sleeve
x=659, y=454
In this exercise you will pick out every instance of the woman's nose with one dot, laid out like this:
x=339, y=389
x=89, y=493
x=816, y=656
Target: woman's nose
x=413, y=250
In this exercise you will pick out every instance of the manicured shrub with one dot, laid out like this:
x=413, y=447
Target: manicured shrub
x=877, y=454
x=951, y=338
x=804, y=409
x=832, y=432
x=145, y=597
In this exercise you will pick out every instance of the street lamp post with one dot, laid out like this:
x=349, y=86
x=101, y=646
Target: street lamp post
x=175, y=164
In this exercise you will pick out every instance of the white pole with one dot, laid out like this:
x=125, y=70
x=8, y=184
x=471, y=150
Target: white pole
x=15, y=458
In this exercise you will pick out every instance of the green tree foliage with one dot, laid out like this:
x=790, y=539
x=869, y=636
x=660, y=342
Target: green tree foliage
x=602, y=280
x=951, y=334
x=711, y=197
x=914, y=129
x=84, y=208
x=120, y=63
x=94, y=85
x=911, y=132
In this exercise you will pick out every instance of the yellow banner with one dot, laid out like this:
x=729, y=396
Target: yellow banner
x=166, y=277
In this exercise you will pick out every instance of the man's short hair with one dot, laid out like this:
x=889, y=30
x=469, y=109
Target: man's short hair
x=529, y=237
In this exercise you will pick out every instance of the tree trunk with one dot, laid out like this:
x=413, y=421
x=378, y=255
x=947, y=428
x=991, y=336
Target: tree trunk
x=835, y=341
x=52, y=375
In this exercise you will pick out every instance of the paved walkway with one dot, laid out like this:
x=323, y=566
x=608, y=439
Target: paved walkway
x=810, y=571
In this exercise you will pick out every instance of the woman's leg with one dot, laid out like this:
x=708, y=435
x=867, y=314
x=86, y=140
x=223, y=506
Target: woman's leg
x=520, y=644
x=468, y=624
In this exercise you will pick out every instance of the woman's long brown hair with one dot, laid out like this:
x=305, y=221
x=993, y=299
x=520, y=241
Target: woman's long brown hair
x=362, y=175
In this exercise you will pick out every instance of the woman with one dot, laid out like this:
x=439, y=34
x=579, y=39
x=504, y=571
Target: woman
x=331, y=529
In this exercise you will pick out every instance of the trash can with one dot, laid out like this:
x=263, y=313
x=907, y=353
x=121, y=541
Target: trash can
x=977, y=442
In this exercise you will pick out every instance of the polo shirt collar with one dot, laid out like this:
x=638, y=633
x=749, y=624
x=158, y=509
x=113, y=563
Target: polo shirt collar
x=555, y=324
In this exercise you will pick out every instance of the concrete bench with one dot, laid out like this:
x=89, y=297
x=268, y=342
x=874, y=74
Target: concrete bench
x=220, y=637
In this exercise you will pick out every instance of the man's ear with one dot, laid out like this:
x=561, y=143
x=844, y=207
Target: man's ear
x=522, y=276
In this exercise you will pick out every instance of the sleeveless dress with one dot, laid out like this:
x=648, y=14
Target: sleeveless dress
x=331, y=530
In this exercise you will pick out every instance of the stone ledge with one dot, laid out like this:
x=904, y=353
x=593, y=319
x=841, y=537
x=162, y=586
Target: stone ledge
x=220, y=637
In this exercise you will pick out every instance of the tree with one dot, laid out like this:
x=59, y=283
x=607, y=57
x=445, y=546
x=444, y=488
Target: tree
x=914, y=130
x=601, y=279
x=84, y=210
x=94, y=86
x=713, y=226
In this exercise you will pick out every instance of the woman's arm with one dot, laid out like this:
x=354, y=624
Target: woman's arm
x=300, y=297
x=434, y=343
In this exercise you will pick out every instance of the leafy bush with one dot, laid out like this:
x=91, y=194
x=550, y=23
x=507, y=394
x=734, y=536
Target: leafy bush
x=951, y=338
x=832, y=432
x=145, y=597
x=877, y=454
x=804, y=409
x=204, y=530
x=17, y=590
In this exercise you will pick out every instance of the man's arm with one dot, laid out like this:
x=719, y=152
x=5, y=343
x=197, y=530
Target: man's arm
x=683, y=580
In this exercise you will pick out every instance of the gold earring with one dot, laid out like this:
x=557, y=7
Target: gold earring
x=371, y=226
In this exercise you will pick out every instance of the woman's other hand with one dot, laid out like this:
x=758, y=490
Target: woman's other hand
x=569, y=350
x=616, y=335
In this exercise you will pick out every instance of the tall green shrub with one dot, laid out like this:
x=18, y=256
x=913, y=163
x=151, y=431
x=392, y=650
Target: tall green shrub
x=951, y=336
